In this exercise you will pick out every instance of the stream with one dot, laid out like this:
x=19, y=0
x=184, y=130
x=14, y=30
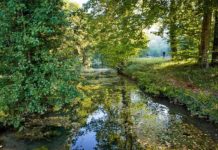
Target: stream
x=116, y=115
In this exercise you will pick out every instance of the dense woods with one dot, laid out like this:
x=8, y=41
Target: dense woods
x=46, y=44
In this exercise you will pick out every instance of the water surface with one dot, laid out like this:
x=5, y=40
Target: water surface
x=114, y=114
x=126, y=119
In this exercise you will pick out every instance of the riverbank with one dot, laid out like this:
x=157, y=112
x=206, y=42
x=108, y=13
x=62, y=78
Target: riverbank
x=182, y=82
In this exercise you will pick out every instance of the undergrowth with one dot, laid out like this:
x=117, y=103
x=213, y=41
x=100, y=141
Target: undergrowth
x=182, y=82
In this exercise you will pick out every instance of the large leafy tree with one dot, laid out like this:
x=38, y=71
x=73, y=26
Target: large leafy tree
x=34, y=75
x=83, y=40
x=117, y=32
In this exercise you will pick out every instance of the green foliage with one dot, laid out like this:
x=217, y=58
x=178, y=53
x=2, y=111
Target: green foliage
x=180, y=24
x=35, y=77
x=186, y=55
x=183, y=83
x=79, y=34
x=117, y=33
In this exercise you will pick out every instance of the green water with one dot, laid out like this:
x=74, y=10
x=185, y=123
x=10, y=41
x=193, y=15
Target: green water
x=115, y=115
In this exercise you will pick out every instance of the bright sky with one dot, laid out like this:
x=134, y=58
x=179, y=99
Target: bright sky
x=79, y=1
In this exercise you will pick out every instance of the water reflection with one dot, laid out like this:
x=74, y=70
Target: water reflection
x=111, y=126
x=115, y=115
x=126, y=119
x=87, y=139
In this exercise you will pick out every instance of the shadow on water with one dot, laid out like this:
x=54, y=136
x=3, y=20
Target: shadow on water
x=115, y=115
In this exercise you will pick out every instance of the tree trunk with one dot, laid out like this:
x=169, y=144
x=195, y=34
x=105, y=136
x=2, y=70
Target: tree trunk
x=173, y=40
x=215, y=42
x=205, y=35
x=85, y=58
x=172, y=28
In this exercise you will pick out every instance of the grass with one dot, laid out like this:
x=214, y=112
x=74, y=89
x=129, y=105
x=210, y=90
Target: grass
x=182, y=82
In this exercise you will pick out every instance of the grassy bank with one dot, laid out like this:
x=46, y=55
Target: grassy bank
x=182, y=82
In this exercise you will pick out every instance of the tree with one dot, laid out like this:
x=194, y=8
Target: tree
x=173, y=27
x=82, y=36
x=166, y=13
x=205, y=33
x=215, y=41
x=35, y=77
x=117, y=31
x=180, y=20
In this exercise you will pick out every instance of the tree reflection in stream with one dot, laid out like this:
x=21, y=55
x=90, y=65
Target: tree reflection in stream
x=111, y=125
x=128, y=120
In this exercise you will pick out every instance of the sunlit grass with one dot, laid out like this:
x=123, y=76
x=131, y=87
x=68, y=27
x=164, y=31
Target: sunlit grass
x=149, y=60
x=182, y=81
x=188, y=71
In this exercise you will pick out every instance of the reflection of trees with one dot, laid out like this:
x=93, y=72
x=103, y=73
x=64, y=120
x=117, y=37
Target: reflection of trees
x=116, y=132
x=123, y=125
x=127, y=120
